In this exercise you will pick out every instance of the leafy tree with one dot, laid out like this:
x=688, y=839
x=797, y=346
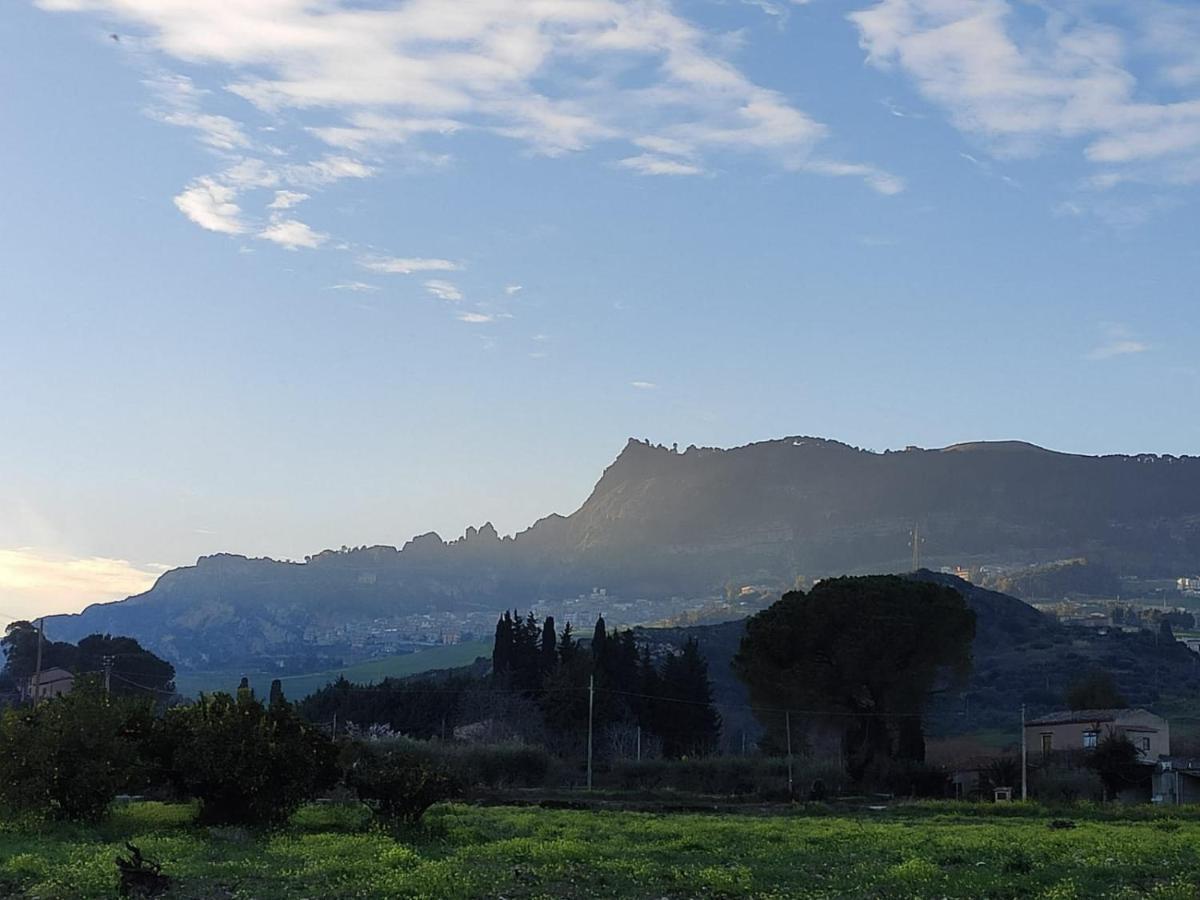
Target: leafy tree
x=246, y=763
x=20, y=652
x=865, y=652
x=1095, y=690
x=68, y=758
x=135, y=670
x=1117, y=761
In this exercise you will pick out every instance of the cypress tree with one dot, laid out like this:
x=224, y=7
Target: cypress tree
x=549, y=647
x=276, y=697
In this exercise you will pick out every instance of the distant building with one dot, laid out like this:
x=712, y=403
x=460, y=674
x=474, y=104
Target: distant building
x=1083, y=729
x=50, y=683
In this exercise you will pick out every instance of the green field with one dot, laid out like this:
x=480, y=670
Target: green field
x=296, y=687
x=927, y=850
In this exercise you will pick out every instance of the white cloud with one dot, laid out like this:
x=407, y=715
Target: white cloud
x=513, y=289
x=362, y=77
x=395, y=265
x=287, y=199
x=358, y=287
x=643, y=385
x=475, y=318
x=1022, y=77
x=35, y=582
x=443, y=290
x=211, y=205
x=649, y=164
x=292, y=234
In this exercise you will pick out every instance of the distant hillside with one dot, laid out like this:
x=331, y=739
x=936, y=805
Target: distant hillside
x=661, y=523
x=1020, y=656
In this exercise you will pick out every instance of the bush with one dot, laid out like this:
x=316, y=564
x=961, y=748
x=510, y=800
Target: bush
x=399, y=785
x=68, y=758
x=247, y=764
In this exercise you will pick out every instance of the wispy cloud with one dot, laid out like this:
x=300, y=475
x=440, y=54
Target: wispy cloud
x=287, y=199
x=643, y=385
x=394, y=265
x=649, y=164
x=1118, y=341
x=358, y=287
x=513, y=289
x=1023, y=77
x=475, y=318
x=36, y=582
x=443, y=290
x=378, y=81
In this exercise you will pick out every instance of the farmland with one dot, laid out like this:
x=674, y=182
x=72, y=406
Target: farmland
x=461, y=851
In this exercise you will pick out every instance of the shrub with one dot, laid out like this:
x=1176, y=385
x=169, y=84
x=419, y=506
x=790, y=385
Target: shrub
x=247, y=764
x=68, y=758
x=399, y=785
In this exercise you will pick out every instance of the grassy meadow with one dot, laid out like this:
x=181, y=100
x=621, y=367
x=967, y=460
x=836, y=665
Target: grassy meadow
x=922, y=850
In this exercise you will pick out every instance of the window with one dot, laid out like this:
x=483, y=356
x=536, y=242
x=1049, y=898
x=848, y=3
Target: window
x=1089, y=740
x=1146, y=745
x=1047, y=743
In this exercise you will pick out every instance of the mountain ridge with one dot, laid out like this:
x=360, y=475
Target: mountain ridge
x=661, y=522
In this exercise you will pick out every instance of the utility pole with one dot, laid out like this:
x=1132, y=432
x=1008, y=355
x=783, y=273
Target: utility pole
x=591, y=705
x=916, y=546
x=787, y=718
x=37, y=675
x=108, y=664
x=639, y=744
x=333, y=728
x=1024, y=759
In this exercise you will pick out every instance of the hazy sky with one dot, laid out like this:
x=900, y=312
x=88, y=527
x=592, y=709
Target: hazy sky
x=278, y=275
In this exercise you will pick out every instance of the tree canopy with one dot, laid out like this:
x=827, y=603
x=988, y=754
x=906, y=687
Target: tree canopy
x=863, y=653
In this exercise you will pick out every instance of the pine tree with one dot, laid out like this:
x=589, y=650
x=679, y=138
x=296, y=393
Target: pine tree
x=276, y=697
x=688, y=723
x=567, y=646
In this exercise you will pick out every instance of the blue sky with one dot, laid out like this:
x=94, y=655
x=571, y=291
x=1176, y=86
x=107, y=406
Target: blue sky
x=283, y=275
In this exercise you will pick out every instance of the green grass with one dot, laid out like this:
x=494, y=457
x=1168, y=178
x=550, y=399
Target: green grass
x=927, y=850
x=297, y=687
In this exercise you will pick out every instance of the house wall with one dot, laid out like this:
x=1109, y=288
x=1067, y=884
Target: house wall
x=1068, y=737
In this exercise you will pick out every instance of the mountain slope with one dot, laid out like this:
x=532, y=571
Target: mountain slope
x=660, y=523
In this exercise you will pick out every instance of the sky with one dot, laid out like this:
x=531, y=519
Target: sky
x=282, y=275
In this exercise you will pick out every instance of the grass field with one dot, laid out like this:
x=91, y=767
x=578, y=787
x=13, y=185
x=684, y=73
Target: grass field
x=297, y=687
x=927, y=850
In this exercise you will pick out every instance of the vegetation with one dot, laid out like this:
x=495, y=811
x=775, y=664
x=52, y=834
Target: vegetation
x=922, y=850
x=863, y=653
x=401, y=665
x=538, y=693
x=135, y=671
x=245, y=762
x=69, y=757
x=1095, y=690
